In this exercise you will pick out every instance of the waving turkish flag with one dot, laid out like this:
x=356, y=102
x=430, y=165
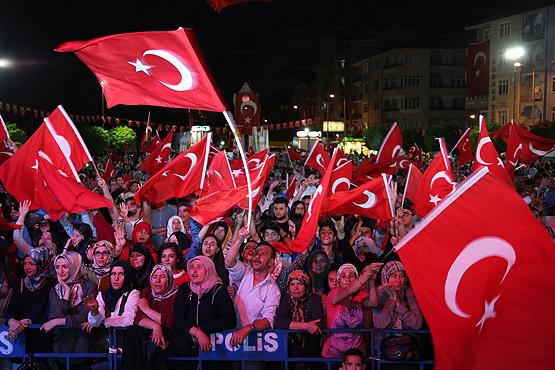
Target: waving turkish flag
x=154, y=142
x=293, y=155
x=486, y=155
x=372, y=200
x=533, y=146
x=291, y=182
x=391, y=147
x=411, y=184
x=182, y=176
x=317, y=158
x=514, y=149
x=463, y=145
x=413, y=155
x=109, y=170
x=72, y=196
x=479, y=263
x=341, y=175
x=159, y=156
x=68, y=138
x=4, y=134
x=253, y=161
x=255, y=164
x=160, y=68
x=370, y=170
x=436, y=183
x=219, y=176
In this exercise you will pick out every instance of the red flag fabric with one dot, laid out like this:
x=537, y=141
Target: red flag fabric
x=533, y=146
x=160, y=68
x=486, y=155
x=219, y=5
x=109, y=171
x=369, y=171
x=293, y=155
x=219, y=176
x=478, y=264
x=159, y=156
x=247, y=109
x=4, y=134
x=413, y=155
x=68, y=138
x=309, y=224
x=5, y=225
x=341, y=175
x=373, y=200
x=463, y=145
x=182, y=176
x=411, y=184
x=514, y=149
x=255, y=163
x=146, y=135
x=436, y=183
x=5, y=152
x=216, y=204
x=477, y=69
x=317, y=158
x=291, y=186
x=154, y=142
x=391, y=147
x=72, y=196
x=18, y=173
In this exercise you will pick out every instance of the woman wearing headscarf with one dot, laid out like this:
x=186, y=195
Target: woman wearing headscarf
x=99, y=271
x=175, y=224
x=141, y=262
x=142, y=233
x=67, y=306
x=117, y=306
x=395, y=308
x=301, y=309
x=170, y=256
x=343, y=311
x=29, y=302
x=202, y=307
x=81, y=238
x=153, y=323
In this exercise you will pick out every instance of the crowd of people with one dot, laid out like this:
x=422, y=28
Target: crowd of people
x=172, y=282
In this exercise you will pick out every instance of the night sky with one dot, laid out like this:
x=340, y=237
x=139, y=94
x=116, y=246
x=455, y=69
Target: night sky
x=272, y=45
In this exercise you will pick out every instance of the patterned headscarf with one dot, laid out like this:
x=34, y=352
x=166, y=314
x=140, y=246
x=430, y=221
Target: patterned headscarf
x=102, y=271
x=346, y=266
x=171, y=289
x=211, y=278
x=42, y=257
x=298, y=304
x=75, y=279
x=390, y=268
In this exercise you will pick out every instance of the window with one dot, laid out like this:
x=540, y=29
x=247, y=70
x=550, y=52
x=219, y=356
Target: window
x=553, y=84
x=502, y=117
x=410, y=80
x=503, y=61
x=459, y=103
x=502, y=87
x=407, y=58
x=365, y=88
x=411, y=103
x=552, y=114
x=342, y=63
x=457, y=81
x=365, y=108
x=436, y=80
x=364, y=69
x=486, y=34
x=436, y=103
x=504, y=29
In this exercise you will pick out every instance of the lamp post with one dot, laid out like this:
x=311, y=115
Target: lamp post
x=514, y=54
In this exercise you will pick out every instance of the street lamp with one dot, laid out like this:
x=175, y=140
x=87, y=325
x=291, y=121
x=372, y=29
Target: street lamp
x=5, y=63
x=514, y=54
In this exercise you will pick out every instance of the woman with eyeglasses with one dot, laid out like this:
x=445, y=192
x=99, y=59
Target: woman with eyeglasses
x=99, y=271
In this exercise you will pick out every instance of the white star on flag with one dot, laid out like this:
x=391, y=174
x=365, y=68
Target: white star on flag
x=158, y=159
x=489, y=312
x=434, y=199
x=247, y=119
x=477, y=73
x=140, y=67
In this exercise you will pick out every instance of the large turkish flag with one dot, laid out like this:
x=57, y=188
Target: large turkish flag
x=161, y=68
x=481, y=266
x=477, y=69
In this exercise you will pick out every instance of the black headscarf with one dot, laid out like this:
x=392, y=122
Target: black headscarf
x=142, y=276
x=182, y=240
x=111, y=296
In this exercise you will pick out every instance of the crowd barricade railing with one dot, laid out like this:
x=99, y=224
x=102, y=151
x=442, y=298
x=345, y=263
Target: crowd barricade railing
x=264, y=346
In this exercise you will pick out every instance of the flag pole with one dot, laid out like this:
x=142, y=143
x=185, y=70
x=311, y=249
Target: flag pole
x=289, y=157
x=235, y=132
x=451, y=152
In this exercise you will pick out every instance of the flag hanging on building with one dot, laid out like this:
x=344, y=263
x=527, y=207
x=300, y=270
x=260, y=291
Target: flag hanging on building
x=477, y=69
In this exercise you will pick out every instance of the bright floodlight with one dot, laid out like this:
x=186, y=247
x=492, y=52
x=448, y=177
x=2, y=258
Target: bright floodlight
x=332, y=96
x=295, y=107
x=514, y=53
x=222, y=143
x=5, y=63
x=517, y=64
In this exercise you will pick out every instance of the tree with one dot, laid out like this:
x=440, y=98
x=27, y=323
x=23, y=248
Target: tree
x=498, y=143
x=96, y=138
x=17, y=135
x=119, y=136
x=374, y=136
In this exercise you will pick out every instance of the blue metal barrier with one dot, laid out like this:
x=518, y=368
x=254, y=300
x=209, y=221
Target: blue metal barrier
x=267, y=346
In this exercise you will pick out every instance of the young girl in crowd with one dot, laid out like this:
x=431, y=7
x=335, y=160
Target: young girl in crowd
x=171, y=257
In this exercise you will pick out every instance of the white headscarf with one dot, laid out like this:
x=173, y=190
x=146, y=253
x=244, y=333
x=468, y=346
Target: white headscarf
x=169, y=228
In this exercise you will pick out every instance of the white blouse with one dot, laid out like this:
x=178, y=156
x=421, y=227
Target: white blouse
x=126, y=318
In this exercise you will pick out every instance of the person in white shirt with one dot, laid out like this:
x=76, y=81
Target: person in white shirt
x=118, y=305
x=258, y=295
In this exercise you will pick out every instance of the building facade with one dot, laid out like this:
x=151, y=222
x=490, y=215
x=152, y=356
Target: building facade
x=522, y=87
